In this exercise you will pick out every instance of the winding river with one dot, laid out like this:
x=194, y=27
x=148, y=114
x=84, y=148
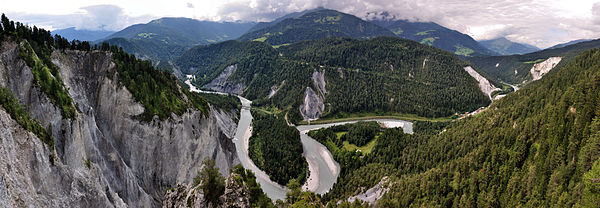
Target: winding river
x=323, y=169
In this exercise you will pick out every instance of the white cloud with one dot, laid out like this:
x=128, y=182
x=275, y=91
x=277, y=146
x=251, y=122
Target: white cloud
x=97, y=17
x=539, y=22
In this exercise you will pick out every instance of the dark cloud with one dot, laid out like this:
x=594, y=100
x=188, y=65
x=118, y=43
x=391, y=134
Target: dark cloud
x=97, y=17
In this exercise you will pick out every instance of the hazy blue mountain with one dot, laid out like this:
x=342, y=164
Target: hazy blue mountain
x=317, y=24
x=569, y=43
x=433, y=34
x=168, y=38
x=506, y=47
x=72, y=33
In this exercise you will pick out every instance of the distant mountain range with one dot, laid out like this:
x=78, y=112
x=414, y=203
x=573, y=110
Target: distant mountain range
x=504, y=46
x=317, y=24
x=83, y=35
x=569, y=43
x=433, y=34
x=167, y=38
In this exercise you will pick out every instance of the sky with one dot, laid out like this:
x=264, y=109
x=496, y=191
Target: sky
x=542, y=23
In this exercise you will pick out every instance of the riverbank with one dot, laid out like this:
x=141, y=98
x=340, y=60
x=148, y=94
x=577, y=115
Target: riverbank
x=359, y=117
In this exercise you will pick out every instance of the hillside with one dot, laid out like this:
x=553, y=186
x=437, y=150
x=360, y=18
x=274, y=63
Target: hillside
x=339, y=76
x=84, y=126
x=320, y=23
x=504, y=46
x=517, y=69
x=509, y=158
x=432, y=34
x=262, y=25
x=167, y=38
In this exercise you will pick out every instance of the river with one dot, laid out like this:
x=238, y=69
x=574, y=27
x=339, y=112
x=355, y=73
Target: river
x=323, y=169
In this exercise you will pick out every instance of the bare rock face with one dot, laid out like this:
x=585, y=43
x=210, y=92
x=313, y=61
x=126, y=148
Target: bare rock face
x=222, y=84
x=313, y=106
x=236, y=195
x=131, y=163
x=318, y=78
x=540, y=69
x=374, y=193
x=484, y=85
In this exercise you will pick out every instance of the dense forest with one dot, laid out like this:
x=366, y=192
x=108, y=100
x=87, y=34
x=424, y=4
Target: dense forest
x=392, y=75
x=321, y=23
x=536, y=147
x=276, y=149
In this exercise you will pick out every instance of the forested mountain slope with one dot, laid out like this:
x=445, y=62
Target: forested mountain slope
x=321, y=23
x=168, y=38
x=537, y=147
x=335, y=76
x=432, y=34
x=516, y=69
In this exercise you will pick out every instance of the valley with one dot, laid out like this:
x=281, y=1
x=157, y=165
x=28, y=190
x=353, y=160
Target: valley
x=313, y=108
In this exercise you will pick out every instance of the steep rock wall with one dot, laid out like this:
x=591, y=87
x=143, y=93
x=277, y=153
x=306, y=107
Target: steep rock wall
x=484, y=85
x=540, y=69
x=222, y=84
x=131, y=163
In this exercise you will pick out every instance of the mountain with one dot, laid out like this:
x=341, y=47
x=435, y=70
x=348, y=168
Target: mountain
x=262, y=25
x=432, y=34
x=569, y=43
x=518, y=69
x=83, y=35
x=537, y=147
x=99, y=128
x=321, y=23
x=335, y=77
x=167, y=38
x=504, y=46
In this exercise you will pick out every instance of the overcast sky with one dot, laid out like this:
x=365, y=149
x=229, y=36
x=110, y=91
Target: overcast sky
x=538, y=22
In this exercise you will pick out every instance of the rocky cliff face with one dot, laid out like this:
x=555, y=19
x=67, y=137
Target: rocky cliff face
x=105, y=157
x=236, y=195
x=540, y=69
x=484, y=85
x=222, y=84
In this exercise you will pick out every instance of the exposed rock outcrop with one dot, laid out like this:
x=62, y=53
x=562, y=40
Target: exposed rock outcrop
x=318, y=78
x=313, y=106
x=484, y=84
x=223, y=84
x=236, y=195
x=540, y=69
x=275, y=89
x=131, y=163
x=373, y=194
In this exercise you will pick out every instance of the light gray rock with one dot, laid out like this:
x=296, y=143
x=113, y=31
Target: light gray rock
x=313, y=106
x=132, y=162
x=223, y=84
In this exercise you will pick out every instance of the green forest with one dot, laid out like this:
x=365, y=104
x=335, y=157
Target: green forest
x=538, y=147
x=392, y=75
x=318, y=24
x=276, y=149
